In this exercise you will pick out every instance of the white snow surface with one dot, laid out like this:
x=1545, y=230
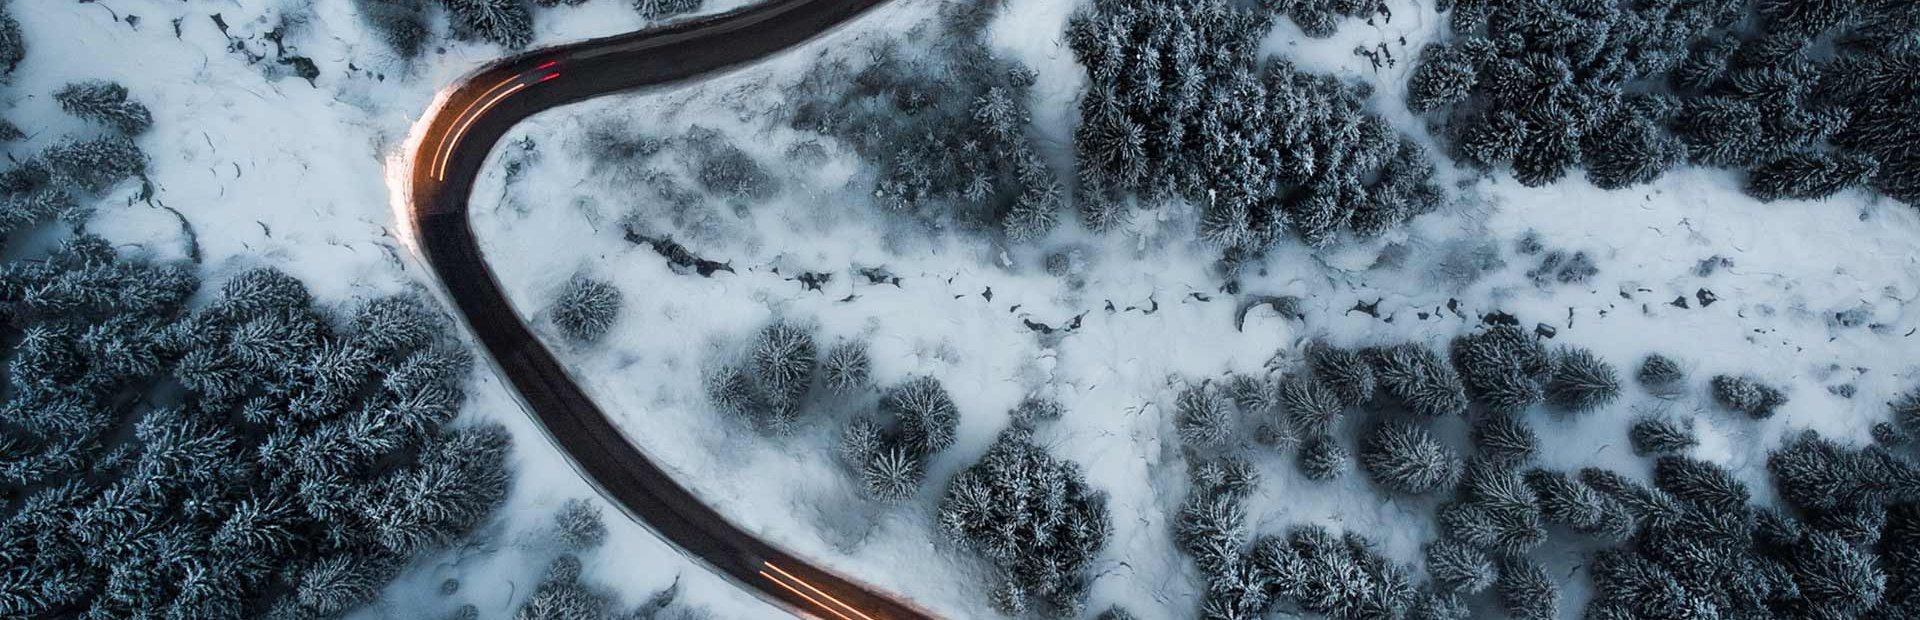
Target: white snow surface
x=271, y=170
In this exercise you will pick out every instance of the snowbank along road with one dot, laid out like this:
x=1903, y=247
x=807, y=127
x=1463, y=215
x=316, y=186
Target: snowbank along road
x=451, y=144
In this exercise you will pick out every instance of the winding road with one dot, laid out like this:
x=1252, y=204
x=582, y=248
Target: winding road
x=449, y=147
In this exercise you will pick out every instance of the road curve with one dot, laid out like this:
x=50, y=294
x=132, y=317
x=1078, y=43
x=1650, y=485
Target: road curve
x=449, y=148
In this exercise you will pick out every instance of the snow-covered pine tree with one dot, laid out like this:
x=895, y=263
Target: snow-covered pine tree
x=662, y=9
x=927, y=414
x=105, y=103
x=784, y=358
x=1203, y=416
x=13, y=46
x=1527, y=592
x=1747, y=395
x=1567, y=501
x=860, y=441
x=1405, y=458
x=1228, y=475
x=1311, y=407
x=401, y=23
x=1700, y=482
x=1502, y=367
x=1661, y=374
x=508, y=23
x=1658, y=434
x=1504, y=439
x=1580, y=381
x=1344, y=370
x=891, y=475
x=1458, y=568
x=1322, y=458
x=577, y=525
x=846, y=368
x=1419, y=379
x=94, y=165
x=1445, y=75
x=586, y=308
x=1906, y=410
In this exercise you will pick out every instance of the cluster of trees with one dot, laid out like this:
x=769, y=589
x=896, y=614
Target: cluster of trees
x=1178, y=105
x=257, y=458
x=947, y=127
x=565, y=593
x=1809, y=98
x=1035, y=517
x=1319, y=18
x=769, y=388
x=404, y=24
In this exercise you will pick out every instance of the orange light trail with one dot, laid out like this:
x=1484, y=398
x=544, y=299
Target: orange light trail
x=803, y=595
x=809, y=586
x=445, y=151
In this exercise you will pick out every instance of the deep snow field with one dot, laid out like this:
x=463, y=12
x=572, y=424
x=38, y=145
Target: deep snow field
x=261, y=163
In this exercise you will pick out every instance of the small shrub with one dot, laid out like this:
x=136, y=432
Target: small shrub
x=1747, y=395
x=1033, y=410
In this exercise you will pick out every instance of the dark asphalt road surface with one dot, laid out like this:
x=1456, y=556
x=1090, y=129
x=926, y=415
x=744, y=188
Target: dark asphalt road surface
x=457, y=139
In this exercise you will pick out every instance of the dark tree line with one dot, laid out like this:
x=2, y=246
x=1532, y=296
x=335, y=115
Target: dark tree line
x=1808, y=97
x=946, y=124
x=1178, y=105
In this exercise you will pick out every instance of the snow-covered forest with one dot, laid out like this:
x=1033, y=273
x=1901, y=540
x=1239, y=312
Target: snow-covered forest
x=1421, y=309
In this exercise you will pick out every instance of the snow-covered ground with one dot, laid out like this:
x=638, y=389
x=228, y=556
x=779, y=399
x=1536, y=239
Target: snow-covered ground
x=1794, y=266
x=269, y=169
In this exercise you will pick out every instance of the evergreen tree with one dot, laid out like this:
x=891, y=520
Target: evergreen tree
x=561, y=595
x=13, y=46
x=1835, y=576
x=661, y=9
x=508, y=23
x=1660, y=374
x=1526, y=591
x=1567, y=501
x=1652, y=435
x=1906, y=410
x=1747, y=395
x=1504, y=439
x=859, y=443
x=1031, y=514
x=1458, y=568
x=784, y=358
x=846, y=368
x=1404, y=458
x=402, y=24
x=1034, y=410
x=105, y=103
x=1233, y=476
x=927, y=415
x=1581, y=381
x=1312, y=408
x=586, y=309
x=891, y=475
x=578, y=526
x=1502, y=367
x=1417, y=377
x=1322, y=458
x=95, y=165
x=1444, y=76
x=1203, y=416
x=1347, y=372
x=1700, y=482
